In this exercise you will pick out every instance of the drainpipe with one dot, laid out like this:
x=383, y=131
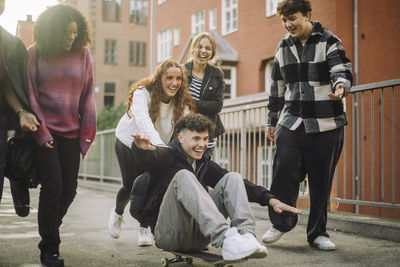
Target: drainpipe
x=152, y=35
x=356, y=148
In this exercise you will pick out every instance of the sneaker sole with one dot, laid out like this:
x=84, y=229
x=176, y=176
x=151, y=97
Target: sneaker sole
x=323, y=248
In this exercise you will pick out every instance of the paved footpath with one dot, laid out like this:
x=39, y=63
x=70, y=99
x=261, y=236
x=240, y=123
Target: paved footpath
x=85, y=240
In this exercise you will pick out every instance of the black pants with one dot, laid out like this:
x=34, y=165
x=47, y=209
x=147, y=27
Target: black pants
x=127, y=161
x=58, y=171
x=298, y=154
x=3, y=148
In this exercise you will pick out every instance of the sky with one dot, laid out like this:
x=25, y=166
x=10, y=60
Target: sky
x=18, y=9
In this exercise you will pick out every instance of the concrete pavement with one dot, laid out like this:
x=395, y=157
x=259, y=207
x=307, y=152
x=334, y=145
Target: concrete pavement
x=85, y=239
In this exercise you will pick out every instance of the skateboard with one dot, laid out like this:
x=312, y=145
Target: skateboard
x=187, y=257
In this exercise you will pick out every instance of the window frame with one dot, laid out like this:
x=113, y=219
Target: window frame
x=137, y=58
x=233, y=6
x=141, y=8
x=117, y=14
x=270, y=7
x=231, y=81
x=198, y=24
x=164, y=45
x=212, y=19
x=110, y=53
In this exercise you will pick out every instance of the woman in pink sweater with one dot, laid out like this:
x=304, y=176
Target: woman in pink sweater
x=60, y=79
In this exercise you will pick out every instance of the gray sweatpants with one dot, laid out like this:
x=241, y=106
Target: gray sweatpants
x=190, y=218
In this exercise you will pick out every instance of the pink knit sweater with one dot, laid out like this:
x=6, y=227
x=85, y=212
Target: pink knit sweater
x=63, y=98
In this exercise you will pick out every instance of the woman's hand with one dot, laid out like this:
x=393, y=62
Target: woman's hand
x=49, y=144
x=28, y=121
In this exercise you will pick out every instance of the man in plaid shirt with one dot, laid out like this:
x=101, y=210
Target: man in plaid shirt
x=311, y=75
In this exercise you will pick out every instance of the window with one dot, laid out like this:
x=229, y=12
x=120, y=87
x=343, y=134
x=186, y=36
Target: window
x=137, y=53
x=110, y=52
x=109, y=94
x=268, y=71
x=198, y=22
x=230, y=82
x=265, y=160
x=164, y=45
x=138, y=11
x=229, y=16
x=161, y=1
x=112, y=10
x=177, y=36
x=271, y=6
x=212, y=17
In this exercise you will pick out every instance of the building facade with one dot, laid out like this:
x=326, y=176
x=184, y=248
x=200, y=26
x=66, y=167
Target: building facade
x=247, y=34
x=119, y=49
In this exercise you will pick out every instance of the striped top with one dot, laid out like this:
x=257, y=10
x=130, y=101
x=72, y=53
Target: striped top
x=194, y=90
x=195, y=87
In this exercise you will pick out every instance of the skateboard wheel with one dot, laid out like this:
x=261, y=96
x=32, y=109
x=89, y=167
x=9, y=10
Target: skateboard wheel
x=189, y=261
x=164, y=262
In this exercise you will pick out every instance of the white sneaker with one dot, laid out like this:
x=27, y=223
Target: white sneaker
x=114, y=224
x=262, y=250
x=236, y=247
x=323, y=243
x=272, y=235
x=144, y=237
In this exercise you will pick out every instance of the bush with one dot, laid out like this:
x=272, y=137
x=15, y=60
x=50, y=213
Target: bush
x=108, y=118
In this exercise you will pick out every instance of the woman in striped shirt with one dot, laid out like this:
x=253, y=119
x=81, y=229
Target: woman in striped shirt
x=206, y=83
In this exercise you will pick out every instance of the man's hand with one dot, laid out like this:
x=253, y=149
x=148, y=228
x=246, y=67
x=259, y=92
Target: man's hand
x=271, y=133
x=280, y=207
x=28, y=121
x=339, y=90
x=143, y=142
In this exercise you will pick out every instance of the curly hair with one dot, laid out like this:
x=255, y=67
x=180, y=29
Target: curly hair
x=50, y=29
x=199, y=37
x=195, y=122
x=289, y=7
x=154, y=85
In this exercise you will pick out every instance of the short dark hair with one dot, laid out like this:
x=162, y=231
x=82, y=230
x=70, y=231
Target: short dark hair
x=289, y=7
x=195, y=122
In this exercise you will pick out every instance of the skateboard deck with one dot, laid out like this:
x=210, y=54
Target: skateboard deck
x=187, y=257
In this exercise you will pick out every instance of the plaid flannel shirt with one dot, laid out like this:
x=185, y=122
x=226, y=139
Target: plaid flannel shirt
x=302, y=78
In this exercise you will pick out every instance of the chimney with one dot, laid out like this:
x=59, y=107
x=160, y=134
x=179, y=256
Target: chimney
x=29, y=18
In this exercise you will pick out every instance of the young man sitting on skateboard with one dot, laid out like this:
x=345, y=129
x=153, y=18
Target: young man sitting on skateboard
x=189, y=196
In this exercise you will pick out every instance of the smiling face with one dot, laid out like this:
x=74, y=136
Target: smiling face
x=203, y=52
x=171, y=81
x=70, y=35
x=194, y=144
x=298, y=25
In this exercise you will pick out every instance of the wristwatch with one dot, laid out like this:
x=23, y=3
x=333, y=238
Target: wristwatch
x=20, y=110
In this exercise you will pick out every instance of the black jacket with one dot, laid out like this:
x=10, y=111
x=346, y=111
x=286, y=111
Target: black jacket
x=162, y=165
x=14, y=59
x=211, y=95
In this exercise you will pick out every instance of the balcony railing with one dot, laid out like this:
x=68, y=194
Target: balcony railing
x=367, y=173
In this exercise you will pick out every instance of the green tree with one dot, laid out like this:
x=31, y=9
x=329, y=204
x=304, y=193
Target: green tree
x=108, y=118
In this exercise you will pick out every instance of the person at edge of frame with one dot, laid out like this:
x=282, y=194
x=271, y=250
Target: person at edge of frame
x=310, y=76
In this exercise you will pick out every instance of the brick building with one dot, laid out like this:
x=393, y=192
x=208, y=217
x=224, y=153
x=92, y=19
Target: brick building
x=119, y=49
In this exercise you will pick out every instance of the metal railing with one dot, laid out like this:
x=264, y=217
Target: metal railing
x=366, y=173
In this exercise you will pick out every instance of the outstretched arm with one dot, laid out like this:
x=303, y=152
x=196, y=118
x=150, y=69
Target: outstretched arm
x=280, y=207
x=143, y=142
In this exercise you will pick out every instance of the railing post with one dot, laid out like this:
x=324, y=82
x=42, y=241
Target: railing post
x=243, y=145
x=102, y=157
x=355, y=138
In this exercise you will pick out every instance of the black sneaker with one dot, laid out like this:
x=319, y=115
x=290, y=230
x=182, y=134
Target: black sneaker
x=51, y=260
